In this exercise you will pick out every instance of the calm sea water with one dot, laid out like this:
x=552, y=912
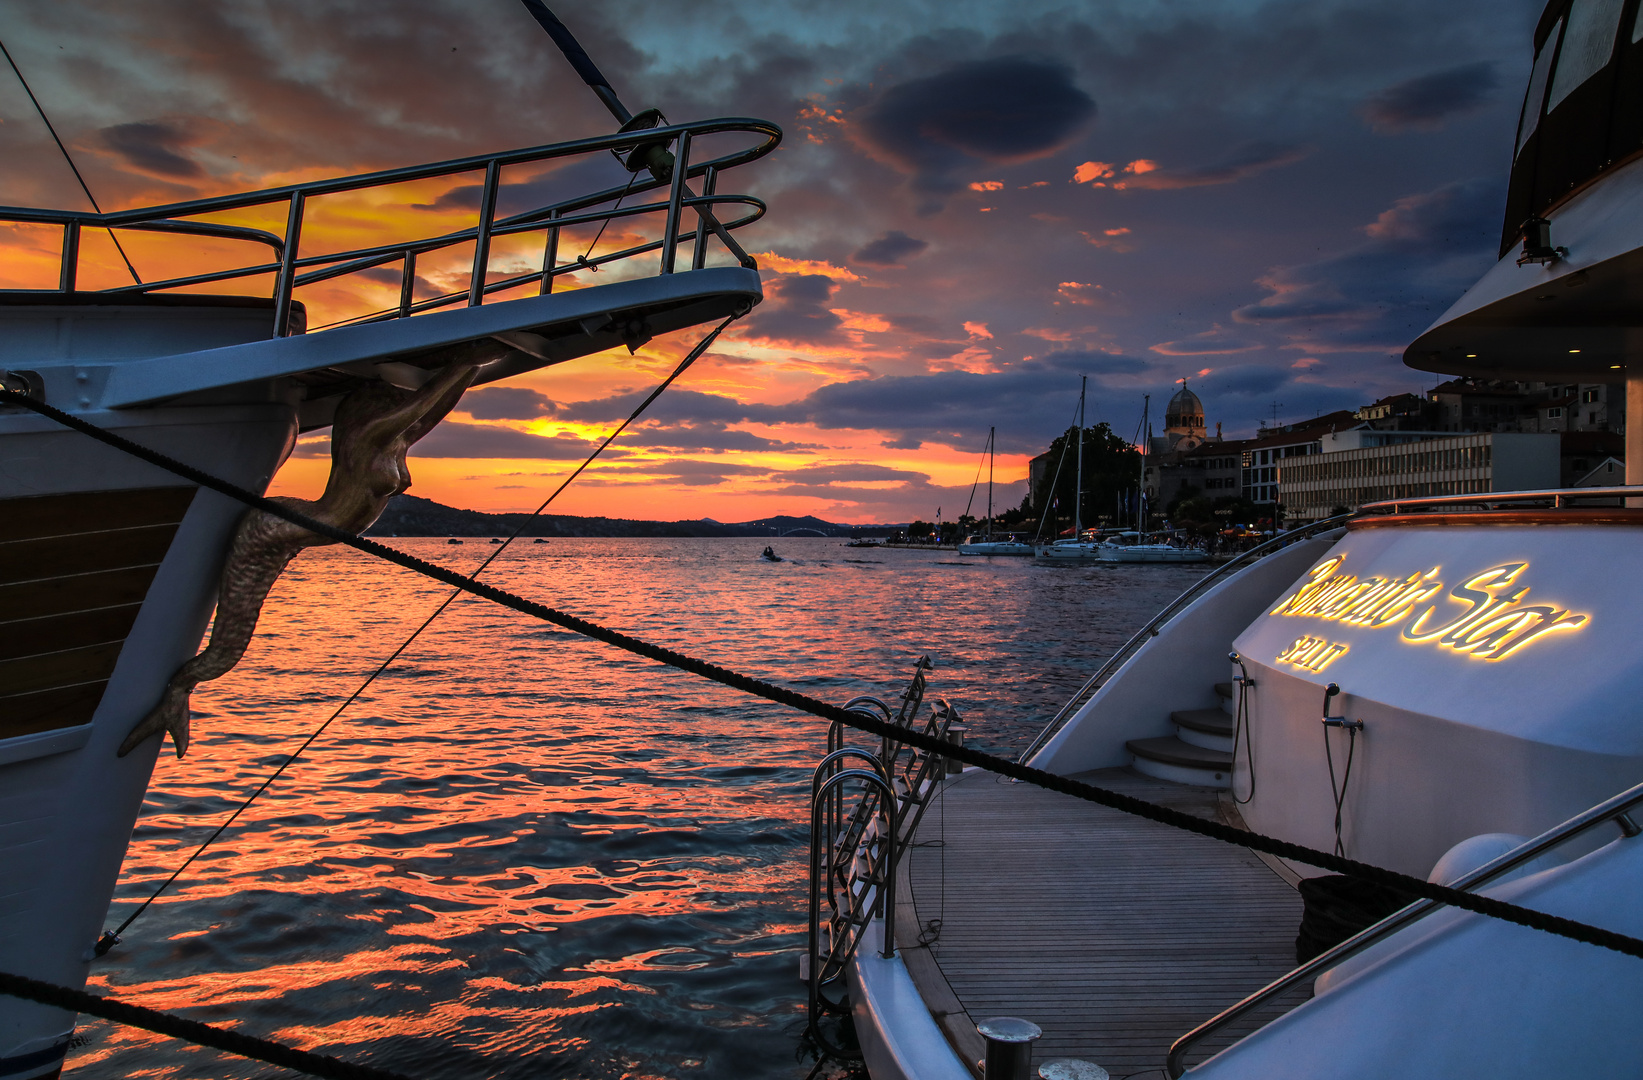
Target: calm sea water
x=524, y=854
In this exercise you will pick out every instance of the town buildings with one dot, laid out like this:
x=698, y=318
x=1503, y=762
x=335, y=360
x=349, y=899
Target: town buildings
x=1463, y=436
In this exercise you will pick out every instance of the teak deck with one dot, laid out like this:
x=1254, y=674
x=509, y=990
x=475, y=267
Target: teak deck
x=1113, y=934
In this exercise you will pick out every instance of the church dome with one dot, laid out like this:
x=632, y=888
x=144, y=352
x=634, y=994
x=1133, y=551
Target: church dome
x=1184, y=411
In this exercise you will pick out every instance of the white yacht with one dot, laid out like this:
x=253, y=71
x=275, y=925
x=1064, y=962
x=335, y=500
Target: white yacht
x=109, y=565
x=1081, y=546
x=1132, y=547
x=985, y=544
x=1442, y=685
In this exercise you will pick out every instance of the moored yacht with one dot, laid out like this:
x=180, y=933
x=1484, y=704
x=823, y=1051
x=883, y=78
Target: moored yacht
x=1440, y=685
x=109, y=565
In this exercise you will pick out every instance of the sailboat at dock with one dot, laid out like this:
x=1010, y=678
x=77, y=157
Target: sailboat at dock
x=1075, y=548
x=985, y=544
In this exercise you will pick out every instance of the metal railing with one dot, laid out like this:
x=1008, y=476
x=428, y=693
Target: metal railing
x=1557, y=498
x=1174, y=608
x=854, y=857
x=293, y=270
x=1614, y=809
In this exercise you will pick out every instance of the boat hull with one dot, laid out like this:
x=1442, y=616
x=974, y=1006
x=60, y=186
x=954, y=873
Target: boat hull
x=108, y=575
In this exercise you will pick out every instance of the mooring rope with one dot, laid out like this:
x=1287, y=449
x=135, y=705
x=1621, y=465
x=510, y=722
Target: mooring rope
x=233, y=1042
x=111, y=938
x=1127, y=804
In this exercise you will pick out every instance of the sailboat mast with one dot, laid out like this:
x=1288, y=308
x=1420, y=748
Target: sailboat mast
x=1078, y=493
x=992, y=451
x=1141, y=481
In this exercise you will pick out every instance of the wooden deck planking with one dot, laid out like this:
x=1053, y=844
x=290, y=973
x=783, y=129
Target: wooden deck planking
x=1113, y=934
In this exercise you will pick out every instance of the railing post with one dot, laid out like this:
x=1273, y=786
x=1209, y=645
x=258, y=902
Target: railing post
x=675, y=201
x=710, y=186
x=288, y=266
x=482, y=235
x=550, y=255
x=71, y=257
x=407, y=283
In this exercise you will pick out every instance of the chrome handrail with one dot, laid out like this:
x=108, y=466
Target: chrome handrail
x=1557, y=496
x=1174, y=608
x=292, y=270
x=1612, y=809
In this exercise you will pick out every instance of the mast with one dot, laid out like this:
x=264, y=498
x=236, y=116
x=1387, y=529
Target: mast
x=1141, y=482
x=1078, y=493
x=992, y=451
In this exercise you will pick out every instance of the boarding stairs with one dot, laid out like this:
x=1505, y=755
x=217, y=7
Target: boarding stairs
x=1200, y=751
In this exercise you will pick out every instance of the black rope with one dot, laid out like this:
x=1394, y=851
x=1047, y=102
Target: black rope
x=233, y=1042
x=1127, y=804
x=67, y=157
x=111, y=938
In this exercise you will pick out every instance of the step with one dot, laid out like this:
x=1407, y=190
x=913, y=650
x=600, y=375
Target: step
x=1168, y=758
x=1226, y=690
x=1207, y=728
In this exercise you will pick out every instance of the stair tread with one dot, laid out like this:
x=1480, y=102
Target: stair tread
x=1224, y=689
x=1209, y=721
x=1172, y=751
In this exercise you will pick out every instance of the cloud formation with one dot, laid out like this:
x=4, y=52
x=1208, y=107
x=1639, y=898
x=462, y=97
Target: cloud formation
x=893, y=248
x=155, y=148
x=1001, y=110
x=1426, y=103
x=506, y=403
x=1241, y=162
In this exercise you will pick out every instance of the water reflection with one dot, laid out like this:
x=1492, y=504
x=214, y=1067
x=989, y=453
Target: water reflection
x=525, y=854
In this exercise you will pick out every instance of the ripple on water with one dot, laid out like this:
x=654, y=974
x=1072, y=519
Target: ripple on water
x=524, y=854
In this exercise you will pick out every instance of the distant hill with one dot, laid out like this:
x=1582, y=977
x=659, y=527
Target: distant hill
x=408, y=515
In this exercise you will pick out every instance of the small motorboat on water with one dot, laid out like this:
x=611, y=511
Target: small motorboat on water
x=769, y=555
x=453, y=540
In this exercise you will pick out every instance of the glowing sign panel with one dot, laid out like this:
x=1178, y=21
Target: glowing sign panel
x=1493, y=624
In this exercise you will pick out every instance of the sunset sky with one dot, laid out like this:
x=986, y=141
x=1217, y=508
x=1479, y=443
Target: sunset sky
x=975, y=204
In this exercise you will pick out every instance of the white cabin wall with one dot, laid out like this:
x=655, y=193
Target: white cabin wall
x=1420, y=784
x=1176, y=670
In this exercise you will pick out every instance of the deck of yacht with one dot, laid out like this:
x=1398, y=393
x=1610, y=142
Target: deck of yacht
x=1113, y=934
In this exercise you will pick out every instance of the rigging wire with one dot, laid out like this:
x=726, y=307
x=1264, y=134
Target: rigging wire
x=111, y=938
x=67, y=157
x=1475, y=902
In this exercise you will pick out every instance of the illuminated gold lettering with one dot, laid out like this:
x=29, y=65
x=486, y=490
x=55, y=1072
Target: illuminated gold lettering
x=1475, y=591
x=1494, y=623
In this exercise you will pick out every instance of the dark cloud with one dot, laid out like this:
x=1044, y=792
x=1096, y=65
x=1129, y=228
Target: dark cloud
x=894, y=248
x=1427, y=102
x=454, y=439
x=673, y=407
x=707, y=437
x=506, y=403
x=795, y=311
x=155, y=148
x=1421, y=254
x=1001, y=110
x=1244, y=161
x=1214, y=342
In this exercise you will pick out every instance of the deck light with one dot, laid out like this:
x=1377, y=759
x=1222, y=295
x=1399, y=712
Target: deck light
x=1537, y=243
x=1573, y=351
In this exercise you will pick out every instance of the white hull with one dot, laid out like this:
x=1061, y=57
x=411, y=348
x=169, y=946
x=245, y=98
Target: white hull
x=1068, y=553
x=1151, y=553
x=996, y=547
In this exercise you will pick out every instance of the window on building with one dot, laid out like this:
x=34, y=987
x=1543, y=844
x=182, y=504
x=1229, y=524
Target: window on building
x=1554, y=412
x=1591, y=418
x=1589, y=396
